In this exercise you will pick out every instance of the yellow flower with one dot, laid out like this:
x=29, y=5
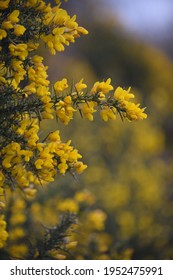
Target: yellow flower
x=60, y=86
x=37, y=59
x=62, y=167
x=27, y=154
x=64, y=110
x=30, y=192
x=18, y=71
x=123, y=95
x=80, y=86
x=6, y=163
x=47, y=116
x=71, y=23
x=74, y=155
x=60, y=16
x=41, y=90
x=3, y=232
x=54, y=136
x=133, y=112
x=68, y=99
x=4, y=4
x=39, y=163
x=19, y=50
x=22, y=181
x=32, y=46
x=3, y=34
x=7, y=25
x=82, y=30
x=80, y=167
x=13, y=17
x=19, y=30
x=103, y=87
x=108, y=113
x=88, y=110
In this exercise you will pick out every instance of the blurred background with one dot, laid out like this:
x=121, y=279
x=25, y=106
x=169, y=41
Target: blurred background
x=124, y=199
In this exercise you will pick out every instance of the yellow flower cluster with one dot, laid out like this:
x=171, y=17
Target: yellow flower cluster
x=11, y=23
x=3, y=232
x=17, y=246
x=38, y=162
x=64, y=29
x=99, y=98
x=64, y=110
x=132, y=111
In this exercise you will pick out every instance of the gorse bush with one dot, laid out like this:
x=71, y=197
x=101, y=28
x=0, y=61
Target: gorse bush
x=27, y=161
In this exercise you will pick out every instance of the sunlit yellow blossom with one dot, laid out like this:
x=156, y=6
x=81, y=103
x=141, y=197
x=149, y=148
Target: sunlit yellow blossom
x=131, y=110
x=39, y=163
x=82, y=30
x=71, y=23
x=47, y=116
x=18, y=70
x=60, y=86
x=41, y=90
x=19, y=50
x=80, y=86
x=74, y=155
x=88, y=110
x=54, y=136
x=108, y=113
x=64, y=110
x=26, y=154
x=4, y=4
x=3, y=232
x=37, y=59
x=6, y=163
x=61, y=15
x=19, y=30
x=62, y=167
x=38, y=74
x=32, y=46
x=103, y=87
x=7, y=24
x=13, y=17
x=3, y=34
x=123, y=95
x=134, y=112
x=80, y=167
